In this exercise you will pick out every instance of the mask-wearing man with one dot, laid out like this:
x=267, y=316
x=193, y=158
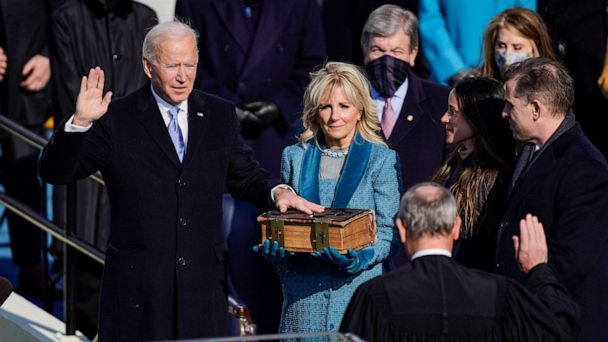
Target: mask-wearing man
x=409, y=107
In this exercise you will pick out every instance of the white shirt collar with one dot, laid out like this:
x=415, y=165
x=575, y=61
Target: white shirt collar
x=431, y=251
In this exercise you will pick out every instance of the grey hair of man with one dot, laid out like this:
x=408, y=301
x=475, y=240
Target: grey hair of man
x=545, y=80
x=173, y=30
x=385, y=20
x=428, y=209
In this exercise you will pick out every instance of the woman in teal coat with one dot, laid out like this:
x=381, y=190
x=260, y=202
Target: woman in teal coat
x=341, y=161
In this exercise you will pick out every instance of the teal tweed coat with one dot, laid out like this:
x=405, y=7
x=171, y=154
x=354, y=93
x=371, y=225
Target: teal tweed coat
x=315, y=291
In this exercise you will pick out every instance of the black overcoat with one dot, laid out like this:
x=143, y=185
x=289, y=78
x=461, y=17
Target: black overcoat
x=567, y=188
x=165, y=273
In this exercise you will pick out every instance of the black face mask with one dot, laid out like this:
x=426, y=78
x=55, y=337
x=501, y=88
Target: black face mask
x=387, y=74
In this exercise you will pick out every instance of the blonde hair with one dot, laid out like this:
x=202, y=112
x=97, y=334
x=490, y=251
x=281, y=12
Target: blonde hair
x=357, y=90
x=522, y=21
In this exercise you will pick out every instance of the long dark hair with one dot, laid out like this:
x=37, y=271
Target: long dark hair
x=481, y=101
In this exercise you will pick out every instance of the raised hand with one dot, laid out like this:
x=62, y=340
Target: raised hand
x=91, y=104
x=531, y=245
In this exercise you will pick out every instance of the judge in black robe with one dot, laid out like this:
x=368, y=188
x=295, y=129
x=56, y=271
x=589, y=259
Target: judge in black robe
x=433, y=298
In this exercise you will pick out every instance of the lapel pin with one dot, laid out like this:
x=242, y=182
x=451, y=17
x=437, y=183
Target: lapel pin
x=410, y=117
x=200, y=114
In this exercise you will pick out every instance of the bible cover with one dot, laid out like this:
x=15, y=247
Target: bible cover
x=342, y=229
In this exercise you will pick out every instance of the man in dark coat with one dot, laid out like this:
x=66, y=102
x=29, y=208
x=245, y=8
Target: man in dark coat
x=257, y=54
x=409, y=108
x=390, y=46
x=258, y=51
x=433, y=298
x=166, y=153
x=563, y=179
x=89, y=33
x=24, y=97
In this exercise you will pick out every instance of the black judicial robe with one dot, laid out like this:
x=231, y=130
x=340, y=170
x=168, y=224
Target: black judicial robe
x=433, y=298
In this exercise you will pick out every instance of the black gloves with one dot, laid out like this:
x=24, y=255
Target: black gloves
x=256, y=116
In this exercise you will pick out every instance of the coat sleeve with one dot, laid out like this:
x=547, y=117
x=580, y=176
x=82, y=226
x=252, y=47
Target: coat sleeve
x=66, y=78
x=387, y=190
x=246, y=179
x=543, y=310
x=439, y=49
x=71, y=156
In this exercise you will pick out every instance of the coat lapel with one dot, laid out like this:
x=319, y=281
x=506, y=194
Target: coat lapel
x=149, y=116
x=232, y=14
x=352, y=173
x=272, y=19
x=411, y=111
x=197, y=125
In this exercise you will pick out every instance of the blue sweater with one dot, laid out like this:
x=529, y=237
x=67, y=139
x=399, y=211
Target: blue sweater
x=316, y=292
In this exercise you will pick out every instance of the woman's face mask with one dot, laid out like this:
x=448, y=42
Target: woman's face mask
x=511, y=47
x=505, y=58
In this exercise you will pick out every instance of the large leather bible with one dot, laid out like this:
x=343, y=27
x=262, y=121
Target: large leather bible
x=342, y=229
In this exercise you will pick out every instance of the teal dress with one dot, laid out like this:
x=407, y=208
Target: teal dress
x=316, y=292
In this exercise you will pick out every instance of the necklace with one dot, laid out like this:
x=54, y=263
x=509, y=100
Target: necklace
x=334, y=153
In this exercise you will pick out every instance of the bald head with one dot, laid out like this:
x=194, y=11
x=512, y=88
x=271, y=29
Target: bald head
x=428, y=209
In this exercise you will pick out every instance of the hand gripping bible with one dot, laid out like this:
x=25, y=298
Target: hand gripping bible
x=342, y=229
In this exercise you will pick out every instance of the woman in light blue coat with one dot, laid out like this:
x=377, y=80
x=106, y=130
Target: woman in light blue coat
x=340, y=162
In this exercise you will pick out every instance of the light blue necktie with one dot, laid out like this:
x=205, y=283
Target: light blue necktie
x=176, y=133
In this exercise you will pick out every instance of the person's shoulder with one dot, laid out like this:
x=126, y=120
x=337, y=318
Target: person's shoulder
x=576, y=150
x=435, y=88
x=382, y=151
x=212, y=105
x=295, y=150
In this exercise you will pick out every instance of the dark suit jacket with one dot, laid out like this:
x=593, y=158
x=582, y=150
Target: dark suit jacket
x=419, y=136
x=567, y=188
x=435, y=299
x=165, y=273
x=272, y=65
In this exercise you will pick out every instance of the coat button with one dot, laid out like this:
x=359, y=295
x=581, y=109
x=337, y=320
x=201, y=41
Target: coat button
x=183, y=222
x=499, y=265
x=226, y=48
x=181, y=261
x=410, y=118
x=331, y=326
x=181, y=183
x=116, y=57
x=326, y=295
x=280, y=48
x=241, y=84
